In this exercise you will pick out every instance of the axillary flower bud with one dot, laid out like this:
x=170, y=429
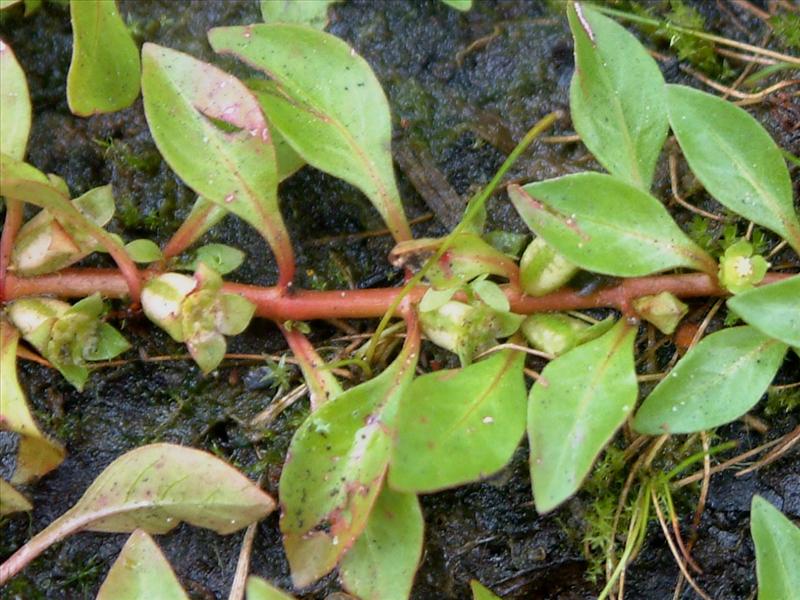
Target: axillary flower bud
x=194, y=310
x=467, y=329
x=68, y=336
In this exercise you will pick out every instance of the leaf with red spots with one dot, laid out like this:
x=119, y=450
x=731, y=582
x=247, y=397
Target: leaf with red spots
x=327, y=103
x=154, y=488
x=210, y=129
x=336, y=466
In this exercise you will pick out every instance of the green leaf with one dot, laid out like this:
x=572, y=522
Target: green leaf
x=616, y=97
x=773, y=309
x=604, y=225
x=313, y=13
x=143, y=251
x=435, y=299
x=15, y=105
x=335, y=469
x=460, y=425
x=462, y=5
x=11, y=500
x=777, y=542
x=717, y=381
x=289, y=161
x=590, y=392
x=7, y=3
x=155, y=488
x=141, y=572
x=108, y=343
x=223, y=259
x=491, y=294
x=36, y=454
x=104, y=73
x=382, y=562
x=480, y=592
x=338, y=123
x=184, y=98
x=258, y=589
x=735, y=159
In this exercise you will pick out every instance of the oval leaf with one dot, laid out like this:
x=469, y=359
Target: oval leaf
x=184, y=99
x=616, y=97
x=335, y=469
x=11, y=500
x=480, y=592
x=459, y=425
x=258, y=589
x=604, y=225
x=590, y=392
x=717, y=381
x=155, y=488
x=313, y=13
x=777, y=542
x=141, y=572
x=340, y=125
x=104, y=73
x=735, y=159
x=382, y=563
x=773, y=309
x=15, y=105
x=143, y=251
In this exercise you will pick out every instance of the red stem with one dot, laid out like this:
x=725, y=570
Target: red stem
x=10, y=228
x=305, y=305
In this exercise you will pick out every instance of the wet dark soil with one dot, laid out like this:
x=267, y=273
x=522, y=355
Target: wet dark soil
x=456, y=114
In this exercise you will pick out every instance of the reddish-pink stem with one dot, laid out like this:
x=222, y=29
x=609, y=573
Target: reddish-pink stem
x=280, y=305
x=10, y=228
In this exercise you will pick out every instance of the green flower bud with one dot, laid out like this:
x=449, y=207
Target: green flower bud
x=195, y=311
x=467, y=330
x=664, y=311
x=543, y=270
x=553, y=333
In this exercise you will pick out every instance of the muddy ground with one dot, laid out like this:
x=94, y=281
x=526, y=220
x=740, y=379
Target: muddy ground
x=456, y=115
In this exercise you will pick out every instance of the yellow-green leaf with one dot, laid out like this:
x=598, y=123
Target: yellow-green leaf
x=11, y=500
x=141, y=572
x=773, y=309
x=605, y=225
x=339, y=124
x=777, y=542
x=15, y=105
x=616, y=97
x=588, y=394
x=104, y=73
x=735, y=159
x=313, y=13
x=336, y=466
x=382, y=562
x=36, y=453
x=185, y=99
x=718, y=380
x=459, y=425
